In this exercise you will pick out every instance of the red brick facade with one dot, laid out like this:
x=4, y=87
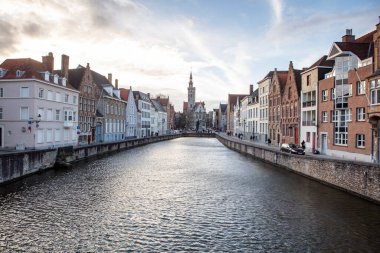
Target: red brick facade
x=290, y=107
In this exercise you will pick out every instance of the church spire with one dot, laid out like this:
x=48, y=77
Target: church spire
x=191, y=79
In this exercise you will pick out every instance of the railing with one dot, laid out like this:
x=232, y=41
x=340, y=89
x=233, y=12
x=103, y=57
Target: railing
x=308, y=123
x=309, y=103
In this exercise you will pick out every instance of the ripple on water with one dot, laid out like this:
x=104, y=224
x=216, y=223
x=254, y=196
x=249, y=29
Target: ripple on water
x=182, y=195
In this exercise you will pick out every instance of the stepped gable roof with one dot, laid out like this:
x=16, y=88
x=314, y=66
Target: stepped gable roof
x=30, y=67
x=75, y=76
x=282, y=78
x=297, y=74
x=232, y=99
x=223, y=108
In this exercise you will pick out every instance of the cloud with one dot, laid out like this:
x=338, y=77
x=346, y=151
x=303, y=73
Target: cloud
x=8, y=37
x=277, y=8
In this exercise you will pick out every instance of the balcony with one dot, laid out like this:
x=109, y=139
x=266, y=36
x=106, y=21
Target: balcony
x=68, y=124
x=308, y=103
x=308, y=123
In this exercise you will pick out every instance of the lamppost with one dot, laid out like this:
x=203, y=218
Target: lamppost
x=31, y=121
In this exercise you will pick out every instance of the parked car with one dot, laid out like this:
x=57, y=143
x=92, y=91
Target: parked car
x=292, y=148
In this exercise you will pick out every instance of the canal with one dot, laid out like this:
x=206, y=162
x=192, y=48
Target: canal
x=187, y=194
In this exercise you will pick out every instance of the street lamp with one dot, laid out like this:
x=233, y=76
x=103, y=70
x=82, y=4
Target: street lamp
x=31, y=121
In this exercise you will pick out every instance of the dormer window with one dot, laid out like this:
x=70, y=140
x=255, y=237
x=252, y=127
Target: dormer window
x=45, y=75
x=63, y=81
x=2, y=72
x=55, y=79
x=19, y=73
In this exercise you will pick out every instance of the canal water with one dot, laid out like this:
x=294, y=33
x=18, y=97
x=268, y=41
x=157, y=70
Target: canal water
x=187, y=194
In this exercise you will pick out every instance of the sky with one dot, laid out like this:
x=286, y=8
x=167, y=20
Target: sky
x=152, y=45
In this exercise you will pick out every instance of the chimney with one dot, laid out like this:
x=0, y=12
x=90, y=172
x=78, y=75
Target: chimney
x=65, y=66
x=348, y=37
x=110, y=78
x=116, y=83
x=250, y=89
x=48, y=62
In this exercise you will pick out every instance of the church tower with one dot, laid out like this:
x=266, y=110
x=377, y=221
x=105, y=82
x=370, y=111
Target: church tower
x=190, y=94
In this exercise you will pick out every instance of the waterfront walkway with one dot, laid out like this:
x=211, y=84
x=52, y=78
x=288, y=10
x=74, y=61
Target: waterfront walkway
x=277, y=148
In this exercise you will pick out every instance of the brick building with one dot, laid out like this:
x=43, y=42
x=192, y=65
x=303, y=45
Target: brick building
x=290, y=106
x=274, y=96
x=342, y=95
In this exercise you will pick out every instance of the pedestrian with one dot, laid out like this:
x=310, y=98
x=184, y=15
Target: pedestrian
x=269, y=141
x=303, y=145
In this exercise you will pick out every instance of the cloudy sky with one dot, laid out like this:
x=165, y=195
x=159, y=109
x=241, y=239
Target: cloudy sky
x=152, y=45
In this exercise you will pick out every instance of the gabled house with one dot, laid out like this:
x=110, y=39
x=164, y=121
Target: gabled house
x=143, y=117
x=222, y=117
x=110, y=109
x=130, y=112
x=275, y=103
x=290, y=107
x=81, y=79
x=38, y=108
x=160, y=128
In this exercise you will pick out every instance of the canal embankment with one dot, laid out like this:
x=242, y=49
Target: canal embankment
x=15, y=165
x=358, y=178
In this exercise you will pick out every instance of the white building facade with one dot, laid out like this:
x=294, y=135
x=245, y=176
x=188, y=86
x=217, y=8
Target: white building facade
x=39, y=112
x=263, y=86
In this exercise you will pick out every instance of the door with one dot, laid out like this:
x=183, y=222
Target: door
x=324, y=144
x=313, y=142
x=296, y=138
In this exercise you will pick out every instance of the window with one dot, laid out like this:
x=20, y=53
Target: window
x=74, y=100
x=49, y=114
x=57, y=135
x=332, y=93
x=308, y=80
x=307, y=136
x=360, y=88
x=41, y=93
x=324, y=116
x=1, y=92
x=290, y=93
x=360, y=140
x=58, y=97
x=325, y=94
x=57, y=114
x=40, y=135
x=375, y=92
x=66, y=135
x=360, y=114
x=19, y=73
x=24, y=113
x=49, y=135
x=66, y=98
x=24, y=92
x=50, y=95
x=1, y=113
x=41, y=112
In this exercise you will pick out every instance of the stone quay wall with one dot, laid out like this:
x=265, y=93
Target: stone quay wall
x=15, y=165
x=18, y=164
x=358, y=178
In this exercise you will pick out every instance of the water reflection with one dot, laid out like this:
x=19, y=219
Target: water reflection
x=182, y=195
